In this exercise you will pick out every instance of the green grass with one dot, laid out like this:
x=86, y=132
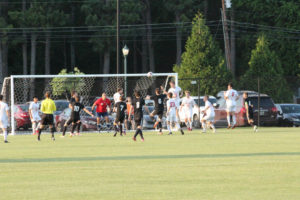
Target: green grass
x=231, y=164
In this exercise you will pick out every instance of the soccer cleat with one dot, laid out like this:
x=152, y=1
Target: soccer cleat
x=5, y=141
x=228, y=127
x=233, y=127
x=34, y=133
x=255, y=128
x=62, y=136
x=142, y=139
x=38, y=139
x=170, y=133
x=214, y=130
x=71, y=134
x=134, y=139
x=182, y=133
x=115, y=134
x=191, y=129
x=53, y=138
x=203, y=131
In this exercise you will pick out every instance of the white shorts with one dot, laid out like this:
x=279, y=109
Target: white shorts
x=209, y=118
x=3, y=124
x=36, y=118
x=231, y=108
x=188, y=113
x=172, y=118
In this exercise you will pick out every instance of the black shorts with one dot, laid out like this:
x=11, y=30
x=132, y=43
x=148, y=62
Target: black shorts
x=120, y=119
x=47, y=119
x=250, y=114
x=159, y=113
x=72, y=120
x=138, y=121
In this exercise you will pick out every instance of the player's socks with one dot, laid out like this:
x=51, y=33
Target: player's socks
x=169, y=127
x=33, y=128
x=73, y=128
x=213, y=128
x=98, y=127
x=121, y=129
x=228, y=120
x=191, y=126
x=78, y=128
x=64, y=130
x=5, y=136
x=142, y=136
x=52, y=133
x=136, y=133
x=233, y=120
x=203, y=127
x=39, y=134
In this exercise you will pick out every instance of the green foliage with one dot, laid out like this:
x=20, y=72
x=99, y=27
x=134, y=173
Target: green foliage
x=202, y=60
x=61, y=85
x=266, y=65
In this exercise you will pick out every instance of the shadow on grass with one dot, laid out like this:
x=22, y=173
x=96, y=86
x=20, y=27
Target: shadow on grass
x=145, y=157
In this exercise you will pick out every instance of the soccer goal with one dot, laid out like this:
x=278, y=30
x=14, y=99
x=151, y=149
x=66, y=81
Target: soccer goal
x=19, y=90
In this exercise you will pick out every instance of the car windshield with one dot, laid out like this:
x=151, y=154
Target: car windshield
x=264, y=101
x=61, y=105
x=290, y=108
x=24, y=108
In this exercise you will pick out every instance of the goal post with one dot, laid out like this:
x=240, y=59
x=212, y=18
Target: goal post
x=18, y=90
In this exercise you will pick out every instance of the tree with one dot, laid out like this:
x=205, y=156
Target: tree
x=202, y=60
x=62, y=85
x=265, y=65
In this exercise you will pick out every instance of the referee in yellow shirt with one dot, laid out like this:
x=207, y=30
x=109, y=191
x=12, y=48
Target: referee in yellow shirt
x=47, y=108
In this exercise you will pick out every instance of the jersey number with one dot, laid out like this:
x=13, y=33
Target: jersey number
x=159, y=101
x=121, y=107
x=172, y=104
x=232, y=94
x=137, y=104
x=76, y=108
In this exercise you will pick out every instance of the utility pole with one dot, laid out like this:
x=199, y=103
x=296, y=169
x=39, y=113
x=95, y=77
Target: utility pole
x=226, y=37
x=118, y=40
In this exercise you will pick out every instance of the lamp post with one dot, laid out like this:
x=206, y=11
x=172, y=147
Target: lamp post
x=125, y=51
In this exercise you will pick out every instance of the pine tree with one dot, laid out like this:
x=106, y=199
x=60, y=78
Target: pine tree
x=203, y=60
x=265, y=65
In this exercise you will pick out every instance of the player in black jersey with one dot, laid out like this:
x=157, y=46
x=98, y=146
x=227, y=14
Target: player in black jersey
x=75, y=116
x=137, y=103
x=158, y=108
x=249, y=111
x=120, y=107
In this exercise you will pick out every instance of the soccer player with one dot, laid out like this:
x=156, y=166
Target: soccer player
x=48, y=108
x=209, y=115
x=172, y=107
x=103, y=106
x=4, y=114
x=177, y=93
x=120, y=107
x=118, y=94
x=35, y=118
x=188, y=104
x=75, y=117
x=231, y=96
x=249, y=111
x=129, y=121
x=137, y=104
x=158, y=108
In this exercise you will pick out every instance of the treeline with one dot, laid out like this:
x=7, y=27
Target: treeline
x=43, y=37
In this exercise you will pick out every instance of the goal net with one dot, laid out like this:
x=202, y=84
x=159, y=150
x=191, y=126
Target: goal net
x=19, y=90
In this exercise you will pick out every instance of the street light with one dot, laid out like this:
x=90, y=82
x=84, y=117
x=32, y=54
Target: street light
x=125, y=51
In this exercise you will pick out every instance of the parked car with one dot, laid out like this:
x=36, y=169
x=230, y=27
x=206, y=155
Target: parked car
x=21, y=116
x=61, y=105
x=149, y=122
x=268, y=110
x=290, y=114
x=196, y=111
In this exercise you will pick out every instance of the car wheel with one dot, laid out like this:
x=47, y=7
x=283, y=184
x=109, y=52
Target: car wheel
x=196, y=122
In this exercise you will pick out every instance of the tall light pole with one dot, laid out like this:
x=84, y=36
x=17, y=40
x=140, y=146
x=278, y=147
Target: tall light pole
x=118, y=39
x=125, y=51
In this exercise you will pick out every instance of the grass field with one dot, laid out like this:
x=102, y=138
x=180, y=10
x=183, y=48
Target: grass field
x=236, y=164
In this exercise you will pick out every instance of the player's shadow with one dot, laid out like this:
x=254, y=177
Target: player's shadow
x=146, y=157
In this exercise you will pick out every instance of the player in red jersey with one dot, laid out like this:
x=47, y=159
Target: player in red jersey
x=103, y=107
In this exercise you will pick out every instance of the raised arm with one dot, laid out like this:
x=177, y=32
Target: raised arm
x=88, y=112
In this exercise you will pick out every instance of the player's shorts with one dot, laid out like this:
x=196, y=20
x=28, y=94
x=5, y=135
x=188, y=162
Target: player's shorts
x=103, y=114
x=138, y=121
x=47, y=119
x=209, y=118
x=231, y=108
x=159, y=113
x=36, y=118
x=72, y=120
x=251, y=115
x=188, y=113
x=172, y=118
x=4, y=123
x=120, y=119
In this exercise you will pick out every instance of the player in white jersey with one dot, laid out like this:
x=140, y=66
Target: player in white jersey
x=4, y=114
x=34, y=113
x=231, y=96
x=188, y=104
x=209, y=115
x=117, y=95
x=172, y=107
x=177, y=92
